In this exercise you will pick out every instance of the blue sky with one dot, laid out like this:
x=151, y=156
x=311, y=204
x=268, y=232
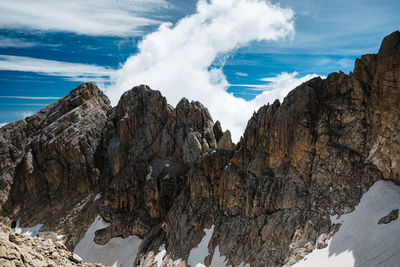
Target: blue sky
x=47, y=48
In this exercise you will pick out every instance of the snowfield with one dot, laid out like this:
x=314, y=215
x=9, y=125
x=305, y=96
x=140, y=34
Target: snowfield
x=117, y=252
x=199, y=253
x=361, y=241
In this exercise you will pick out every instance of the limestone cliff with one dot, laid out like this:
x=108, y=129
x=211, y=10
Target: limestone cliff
x=165, y=174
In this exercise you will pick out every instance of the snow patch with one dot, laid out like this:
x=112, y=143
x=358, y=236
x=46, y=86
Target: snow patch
x=150, y=173
x=33, y=231
x=197, y=255
x=319, y=238
x=97, y=197
x=160, y=255
x=218, y=260
x=335, y=219
x=360, y=241
x=117, y=252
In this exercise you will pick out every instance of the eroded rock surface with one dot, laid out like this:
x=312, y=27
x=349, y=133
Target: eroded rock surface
x=19, y=250
x=393, y=215
x=166, y=174
x=52, y=158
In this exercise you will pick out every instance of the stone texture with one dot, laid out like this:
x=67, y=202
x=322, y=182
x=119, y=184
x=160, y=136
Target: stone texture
x=165, y=174
x=149, y=148
x=19, y=250
x=52, y=157
x=392, y=216
x=298, y=162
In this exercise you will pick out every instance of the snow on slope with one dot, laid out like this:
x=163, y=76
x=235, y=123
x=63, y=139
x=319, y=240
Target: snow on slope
x=197, y=255
x=33, y=231
x=361, y=241
x=219, y=261
x=117, y=252
x=160, y=255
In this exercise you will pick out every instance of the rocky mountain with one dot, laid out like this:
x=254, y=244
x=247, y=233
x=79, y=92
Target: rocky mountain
x=171, y=186
x=19, y=250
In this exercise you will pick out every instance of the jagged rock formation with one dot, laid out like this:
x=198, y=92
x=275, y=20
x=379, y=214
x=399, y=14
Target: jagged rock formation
x=19, y=250
x=49, y=169
x=149, y=148
x=166, y=174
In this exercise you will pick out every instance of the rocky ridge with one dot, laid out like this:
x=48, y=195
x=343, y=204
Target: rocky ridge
x=19, y=250
x=165, y=174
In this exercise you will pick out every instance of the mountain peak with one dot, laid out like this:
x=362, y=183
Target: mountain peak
x=170, y=180
x=391, y=43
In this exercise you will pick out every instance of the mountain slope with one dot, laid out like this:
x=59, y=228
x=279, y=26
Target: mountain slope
x=169, y=175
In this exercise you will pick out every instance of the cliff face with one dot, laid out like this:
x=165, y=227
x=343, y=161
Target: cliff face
x=166, y=174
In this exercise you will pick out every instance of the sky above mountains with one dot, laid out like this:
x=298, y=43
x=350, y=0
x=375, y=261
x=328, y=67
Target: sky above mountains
x=231, y=55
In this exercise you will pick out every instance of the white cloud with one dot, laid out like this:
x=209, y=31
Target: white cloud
x=30, y=97
x=242, y=74
x=24, y=114
x=22, y=43
x=90, y=17
x=278, y=87
x=176, y=58
x=14, y=42
x=72, y=71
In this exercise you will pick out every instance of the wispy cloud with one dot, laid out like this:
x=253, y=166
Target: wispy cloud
x=15, y=42
x=325, y=27
x=242, y=74
x=26, y=104
x=90, y=17
x=30, y=97
x=71, y=71
x=22, y=43
x=24, y=114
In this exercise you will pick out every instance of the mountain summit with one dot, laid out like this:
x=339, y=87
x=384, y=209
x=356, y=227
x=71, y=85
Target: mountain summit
x=147, y=184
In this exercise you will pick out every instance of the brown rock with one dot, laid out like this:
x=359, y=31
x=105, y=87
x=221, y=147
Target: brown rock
x=166, y=174
x=26, y=251
x=225, y=142
x=392, y=216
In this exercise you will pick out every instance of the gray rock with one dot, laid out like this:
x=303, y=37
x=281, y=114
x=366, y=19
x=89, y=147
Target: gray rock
x=392, y=216
x=166, y=174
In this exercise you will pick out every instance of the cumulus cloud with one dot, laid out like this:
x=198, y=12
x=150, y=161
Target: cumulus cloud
x=176, y=59
x=90, y=17
x=71, y=71
x=279, y=86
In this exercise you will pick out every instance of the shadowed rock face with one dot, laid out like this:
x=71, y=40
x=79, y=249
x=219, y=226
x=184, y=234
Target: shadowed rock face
x=50, y=162
x=165, y=174
x=149, y=149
